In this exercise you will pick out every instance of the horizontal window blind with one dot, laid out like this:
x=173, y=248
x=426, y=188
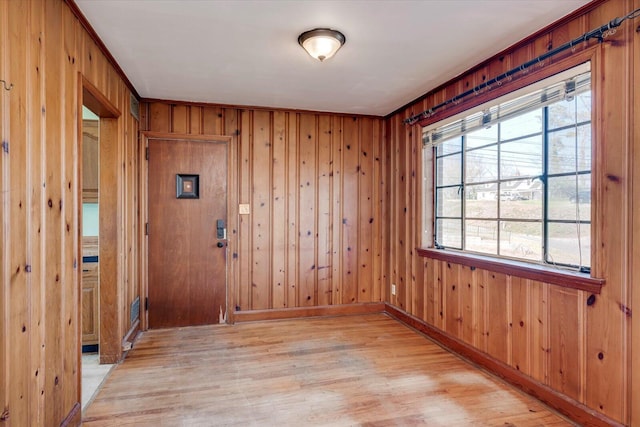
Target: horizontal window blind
x=553, y=89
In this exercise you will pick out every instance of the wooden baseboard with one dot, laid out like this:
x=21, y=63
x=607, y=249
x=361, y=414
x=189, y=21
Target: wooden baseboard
x=130, y=337
x=298, y=312
x=109, y=359
x=576, y=411
x=73, y=417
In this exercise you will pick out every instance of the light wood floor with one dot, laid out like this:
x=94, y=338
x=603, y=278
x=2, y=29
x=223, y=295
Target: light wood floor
x=342, y=371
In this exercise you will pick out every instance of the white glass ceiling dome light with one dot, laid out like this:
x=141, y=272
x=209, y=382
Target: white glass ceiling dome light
x=321, y=43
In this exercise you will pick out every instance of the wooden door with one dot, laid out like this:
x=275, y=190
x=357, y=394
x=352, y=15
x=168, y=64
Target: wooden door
x=187, y=259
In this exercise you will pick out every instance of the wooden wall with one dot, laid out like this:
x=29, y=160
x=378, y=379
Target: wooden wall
x=335, y=219
x=312, y=182
x=545, y=331
x=43, y=48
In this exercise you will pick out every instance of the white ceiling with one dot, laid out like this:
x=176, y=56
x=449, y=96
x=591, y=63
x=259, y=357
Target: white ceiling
x=245, y=52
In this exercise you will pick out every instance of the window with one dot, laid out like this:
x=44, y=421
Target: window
x=513, y=179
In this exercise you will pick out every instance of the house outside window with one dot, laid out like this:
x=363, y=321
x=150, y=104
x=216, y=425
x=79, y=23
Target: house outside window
x=513, y=177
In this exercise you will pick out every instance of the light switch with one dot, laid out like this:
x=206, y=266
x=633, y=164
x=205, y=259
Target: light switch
x=244, y=209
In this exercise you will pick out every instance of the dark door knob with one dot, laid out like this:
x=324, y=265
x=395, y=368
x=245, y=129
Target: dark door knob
x=220, y=245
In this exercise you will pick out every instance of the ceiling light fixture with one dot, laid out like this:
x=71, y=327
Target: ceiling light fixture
x=321, y=43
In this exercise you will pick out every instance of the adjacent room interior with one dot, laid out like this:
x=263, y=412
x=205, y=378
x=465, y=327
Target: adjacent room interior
x=319, y=212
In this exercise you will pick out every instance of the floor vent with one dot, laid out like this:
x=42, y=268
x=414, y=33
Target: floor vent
x=135, y=310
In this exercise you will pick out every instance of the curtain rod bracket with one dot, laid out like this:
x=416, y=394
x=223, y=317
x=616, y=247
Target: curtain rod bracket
x=4, y=83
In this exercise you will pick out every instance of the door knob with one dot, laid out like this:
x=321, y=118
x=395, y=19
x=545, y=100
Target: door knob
x=220, y=245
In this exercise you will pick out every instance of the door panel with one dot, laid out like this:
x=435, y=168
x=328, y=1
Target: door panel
x=187, y=261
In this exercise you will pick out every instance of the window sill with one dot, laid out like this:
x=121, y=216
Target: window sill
x=567, y=279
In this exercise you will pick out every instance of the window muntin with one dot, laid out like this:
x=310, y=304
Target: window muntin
x=520, y=187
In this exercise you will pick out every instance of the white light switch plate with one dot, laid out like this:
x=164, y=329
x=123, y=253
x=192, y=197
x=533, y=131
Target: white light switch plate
x=244, y=209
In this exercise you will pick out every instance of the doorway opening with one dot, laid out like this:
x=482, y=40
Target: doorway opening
x=98, y=240
x=93, y=373
x=90, y=231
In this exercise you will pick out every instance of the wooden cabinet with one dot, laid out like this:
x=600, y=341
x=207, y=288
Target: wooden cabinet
x=90, y=161
x=90, y=291
x=90, y=301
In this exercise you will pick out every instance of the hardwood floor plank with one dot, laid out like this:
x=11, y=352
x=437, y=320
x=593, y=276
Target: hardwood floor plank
x=364, y=370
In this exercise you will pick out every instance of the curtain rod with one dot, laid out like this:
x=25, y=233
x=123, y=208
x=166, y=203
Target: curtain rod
x=599, y=33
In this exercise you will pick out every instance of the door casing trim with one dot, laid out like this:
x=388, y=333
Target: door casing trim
x=111, y=232
x=232, y=213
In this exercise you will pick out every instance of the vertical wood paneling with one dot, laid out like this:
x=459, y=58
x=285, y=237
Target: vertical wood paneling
x=292, y=213
x=403, y=226
x=497, y=316
x=365, y=211
x=567, y=32
x=195, y=120
x=451, y=299
x=519, y=324
x=430, y=281
x=634, y=194
x=20, y=327
x=314, y=184
x=391, y=161
x=336, y=210
x=415, y=235
x=36, y=144
x=607, y=321
x=180, y=118
x=350, y=188
x=43, y=49
x=591, y=345
x=89, y=59
x=386, y=211
x=565, y=342
x=408, y=244
x=521, y=55
x=539, y=331
x=468, y=304
x=211, y=120
x=69, y=214
x=244, y=288
x=230, y=126
x=55, y=378
x=438, y=295
x=378, y=293
x=261, y=202
x=414, y=296
x=482, y=278
x=160, y=117
x=5, y=310
x=279, y=209
x=324, y=212
x=307, y=233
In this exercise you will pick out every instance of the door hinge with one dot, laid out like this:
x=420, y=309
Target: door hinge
x=5, y=146
x=146, y=303
x=146, y=228
x=146, y=153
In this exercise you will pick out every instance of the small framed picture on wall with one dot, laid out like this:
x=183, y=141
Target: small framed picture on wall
x=187, y=186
